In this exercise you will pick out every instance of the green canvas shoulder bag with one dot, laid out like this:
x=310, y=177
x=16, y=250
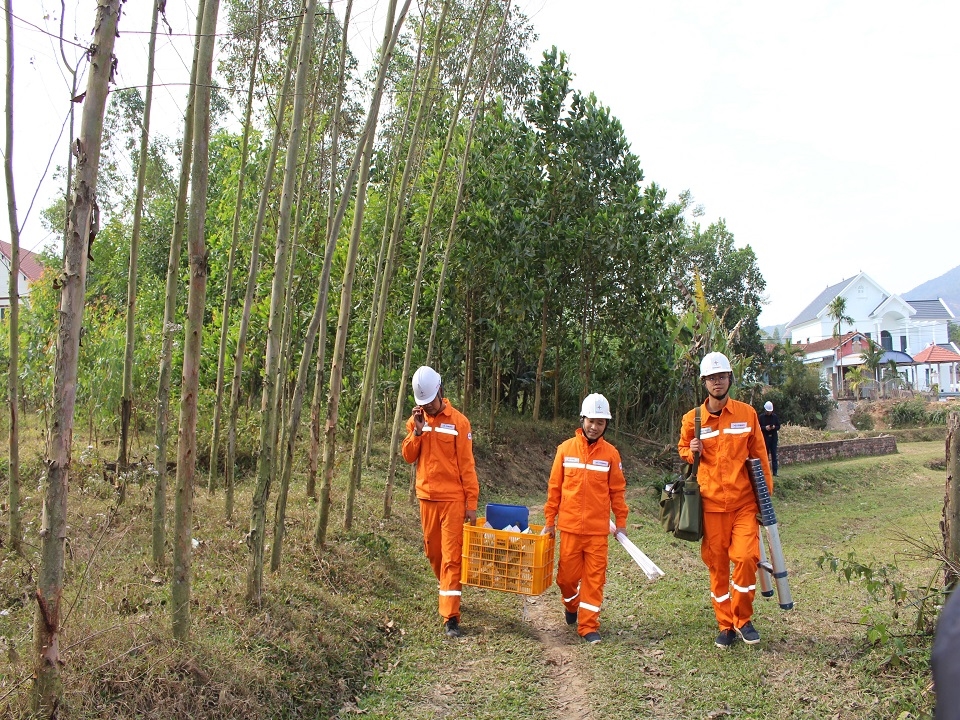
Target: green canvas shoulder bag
x=681, y=508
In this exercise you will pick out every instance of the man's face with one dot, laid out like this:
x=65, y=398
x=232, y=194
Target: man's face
x=593, y=427
x=718, y=385
x=433, y=407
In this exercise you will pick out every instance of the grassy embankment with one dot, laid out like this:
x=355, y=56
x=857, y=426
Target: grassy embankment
x=352, y=629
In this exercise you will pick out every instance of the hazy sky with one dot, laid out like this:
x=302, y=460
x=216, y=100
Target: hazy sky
x=825, y=133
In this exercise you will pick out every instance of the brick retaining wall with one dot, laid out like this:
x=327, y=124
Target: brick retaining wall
x=832, y=449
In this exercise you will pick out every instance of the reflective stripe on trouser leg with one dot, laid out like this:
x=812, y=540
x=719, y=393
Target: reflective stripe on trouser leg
x=731, y=537
x=442, y=524
x=583, y=566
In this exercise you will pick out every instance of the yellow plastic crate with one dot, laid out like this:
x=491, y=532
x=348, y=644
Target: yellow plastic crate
x=506, y=560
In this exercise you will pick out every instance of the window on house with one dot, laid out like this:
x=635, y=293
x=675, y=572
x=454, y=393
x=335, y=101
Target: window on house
x=903, y=343
x=886, y=341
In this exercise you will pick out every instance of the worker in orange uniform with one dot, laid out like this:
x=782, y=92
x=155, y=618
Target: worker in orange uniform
x=439, y=440
x=586, y=483
x=730, y=434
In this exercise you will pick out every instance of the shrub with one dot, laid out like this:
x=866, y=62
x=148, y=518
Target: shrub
x=913, y=413
x=861, y=419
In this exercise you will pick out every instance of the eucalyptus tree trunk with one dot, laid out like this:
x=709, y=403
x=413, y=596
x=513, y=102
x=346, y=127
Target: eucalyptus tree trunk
x=336, y=369
x=192, y=346
x=292, y=425
x=389, y=241
x=343, y=325
x=169, y=312
x=82, y=228
x=385, y=256
x=462, y=181
x=231, y=262
x=72, y=69
x=13, y=390
x=951, y=505
x=268, y=423
x=252, y=280
x=126, y=397
x=541, y=359
x=415, y=301
x=331, y=243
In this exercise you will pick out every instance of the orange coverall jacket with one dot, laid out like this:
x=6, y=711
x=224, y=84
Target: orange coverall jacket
x=585, y=483
x=446, y=469
x=727, y=441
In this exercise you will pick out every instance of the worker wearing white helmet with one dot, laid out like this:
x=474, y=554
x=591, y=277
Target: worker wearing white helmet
x=586, y=484
x=730, y=434
x=440, y=441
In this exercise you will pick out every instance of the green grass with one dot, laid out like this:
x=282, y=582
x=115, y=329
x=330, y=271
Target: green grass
x=352, y=631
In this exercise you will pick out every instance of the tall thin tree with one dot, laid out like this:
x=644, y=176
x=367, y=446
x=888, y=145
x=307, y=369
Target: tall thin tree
x=411, y=324
x=268, y=423
x=192, y=345
x=234, y=241
x=252, y=272
x=462, y=181
x=314, y=449
x=81, y=230
x=336, y=368
x=170, y=310
x=13, y=391
x=126, y=397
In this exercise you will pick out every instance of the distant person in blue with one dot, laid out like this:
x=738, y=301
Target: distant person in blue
x=770, y=424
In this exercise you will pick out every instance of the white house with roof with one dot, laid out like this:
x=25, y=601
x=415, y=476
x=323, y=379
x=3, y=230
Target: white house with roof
x=897, y=325
x=30, y=271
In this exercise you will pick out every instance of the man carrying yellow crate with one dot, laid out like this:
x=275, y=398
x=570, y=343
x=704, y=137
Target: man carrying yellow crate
x=586, y=483
x=440, y=441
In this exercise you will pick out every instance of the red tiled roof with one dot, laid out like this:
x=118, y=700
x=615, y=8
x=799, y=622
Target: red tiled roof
x=936, y=354
x=826, y=344
x=29, y=261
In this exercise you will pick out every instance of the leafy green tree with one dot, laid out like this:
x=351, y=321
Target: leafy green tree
x=802, y=398
x=731, y=281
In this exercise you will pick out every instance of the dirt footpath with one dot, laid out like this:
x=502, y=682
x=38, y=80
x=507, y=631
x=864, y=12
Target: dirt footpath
x=545, y=614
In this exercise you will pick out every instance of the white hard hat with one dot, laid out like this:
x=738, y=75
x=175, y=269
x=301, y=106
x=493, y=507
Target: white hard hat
x=595, y=405
x=426, y=384
x=768, y=406
x=714, y=363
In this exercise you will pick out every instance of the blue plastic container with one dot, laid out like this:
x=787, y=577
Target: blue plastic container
x=499, y=516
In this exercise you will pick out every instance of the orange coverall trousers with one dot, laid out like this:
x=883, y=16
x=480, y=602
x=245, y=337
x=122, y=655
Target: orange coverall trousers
x=581, y=575
x=731, y=537
x=442, y=524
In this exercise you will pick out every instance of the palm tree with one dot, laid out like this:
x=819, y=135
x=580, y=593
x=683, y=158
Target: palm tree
x=837, y=309
x=873, y=359
x=857, y=380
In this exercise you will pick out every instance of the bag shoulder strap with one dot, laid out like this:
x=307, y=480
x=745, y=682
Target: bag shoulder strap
x=696, y=434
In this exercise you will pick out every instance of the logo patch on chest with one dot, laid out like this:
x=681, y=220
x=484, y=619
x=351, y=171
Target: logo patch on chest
x=738, y=425
x=602, y=463
x=448, y=426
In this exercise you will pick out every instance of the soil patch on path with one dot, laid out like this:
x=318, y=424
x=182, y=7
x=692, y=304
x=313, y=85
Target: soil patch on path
x=564, y=668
